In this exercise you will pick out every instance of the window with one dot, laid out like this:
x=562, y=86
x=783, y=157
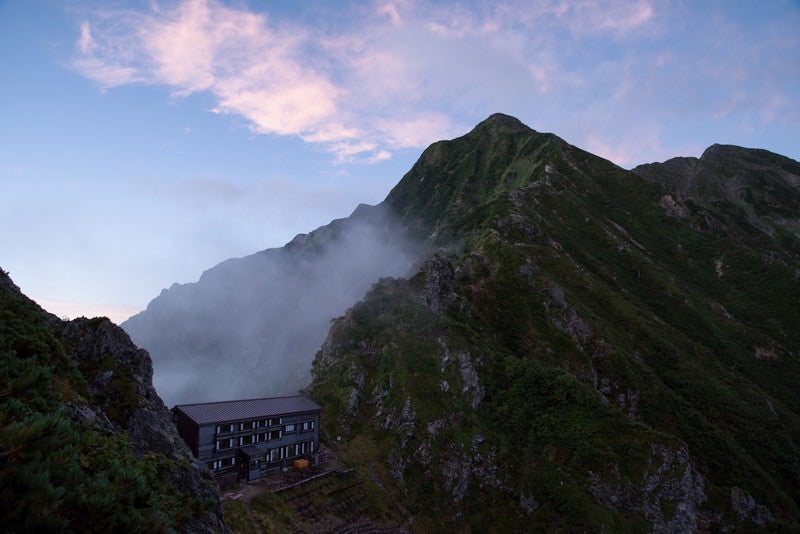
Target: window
x=219, y=429
x=226, y=462
x=288, y=428
x=261, y=437
x=274, y=434
x=275, y=421
x=224, y=444
x=216, y=464
x=308, y=425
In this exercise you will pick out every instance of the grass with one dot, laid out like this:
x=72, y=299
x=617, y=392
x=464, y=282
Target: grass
x=336, y=501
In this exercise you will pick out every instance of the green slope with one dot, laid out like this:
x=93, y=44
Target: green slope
x=572, y=354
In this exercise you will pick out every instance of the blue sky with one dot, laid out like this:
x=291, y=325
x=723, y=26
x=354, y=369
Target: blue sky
x=143, y=142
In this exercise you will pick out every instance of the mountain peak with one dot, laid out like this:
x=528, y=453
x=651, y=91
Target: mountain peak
x=500, y=121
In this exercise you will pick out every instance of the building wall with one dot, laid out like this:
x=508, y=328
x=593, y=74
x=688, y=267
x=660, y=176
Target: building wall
x=187, y=429
x=218, y=444
x=206, y=442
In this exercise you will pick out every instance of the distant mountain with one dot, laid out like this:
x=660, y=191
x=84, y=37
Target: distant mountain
x=251, y=326
x=531, y=338
x=749, y=194
x=581, y=349
x=86, y=445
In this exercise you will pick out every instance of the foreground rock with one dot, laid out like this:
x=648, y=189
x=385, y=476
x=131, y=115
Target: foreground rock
x=86, y=442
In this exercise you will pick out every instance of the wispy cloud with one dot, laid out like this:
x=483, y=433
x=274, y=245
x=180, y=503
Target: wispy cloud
x=401, y=74
x=361, y=93
x=252, y=68
x=86, y=43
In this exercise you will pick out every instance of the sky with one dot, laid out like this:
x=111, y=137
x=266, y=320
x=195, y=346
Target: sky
x=143, y=142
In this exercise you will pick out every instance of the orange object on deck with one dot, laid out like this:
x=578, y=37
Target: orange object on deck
x=300, y=464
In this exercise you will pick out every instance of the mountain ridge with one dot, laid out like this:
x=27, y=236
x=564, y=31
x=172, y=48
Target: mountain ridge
x=573, y=301
x=568, y=344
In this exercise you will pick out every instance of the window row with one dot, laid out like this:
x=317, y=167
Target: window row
x=249, y=425
x=305, y=426
x=290, y=451
x=251, y=439
x=264, y=423
x=219, y=464
x=274, y=455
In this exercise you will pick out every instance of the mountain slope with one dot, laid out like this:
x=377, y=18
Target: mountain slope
x=250, y=326
x=572, y=353
x=753, y=193
x=85, y=442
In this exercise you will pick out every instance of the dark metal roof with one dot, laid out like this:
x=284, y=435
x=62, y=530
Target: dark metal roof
x=218, y=412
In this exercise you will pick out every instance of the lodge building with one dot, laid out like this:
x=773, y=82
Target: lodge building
x=244, y=439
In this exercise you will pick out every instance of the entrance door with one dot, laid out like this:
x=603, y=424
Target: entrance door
x=254, y=471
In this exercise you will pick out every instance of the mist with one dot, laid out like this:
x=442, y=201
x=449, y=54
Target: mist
x=250, y=327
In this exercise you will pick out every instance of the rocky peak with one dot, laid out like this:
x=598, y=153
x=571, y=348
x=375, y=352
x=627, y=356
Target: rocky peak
x=7, y=283
x=453, y=177
x=499, y=122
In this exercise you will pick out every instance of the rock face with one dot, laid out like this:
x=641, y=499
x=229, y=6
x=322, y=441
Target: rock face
x=113, y=458
x=120, y=377
x=575, y=349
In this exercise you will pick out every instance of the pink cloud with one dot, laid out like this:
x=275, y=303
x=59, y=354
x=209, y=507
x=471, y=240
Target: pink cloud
x=398, y=64
x=602, y=16
x=390, y=10
x=252, y=69
x=86, y=43
x=627, y=148
x=416, y=131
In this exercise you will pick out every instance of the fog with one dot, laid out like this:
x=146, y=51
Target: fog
x=250, y=327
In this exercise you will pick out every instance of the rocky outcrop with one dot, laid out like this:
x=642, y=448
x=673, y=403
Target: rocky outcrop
x=120, y=378
x=98, y=439
x=670, y=493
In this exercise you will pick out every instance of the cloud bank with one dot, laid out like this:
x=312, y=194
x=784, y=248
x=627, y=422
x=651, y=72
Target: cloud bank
x=250, y=327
